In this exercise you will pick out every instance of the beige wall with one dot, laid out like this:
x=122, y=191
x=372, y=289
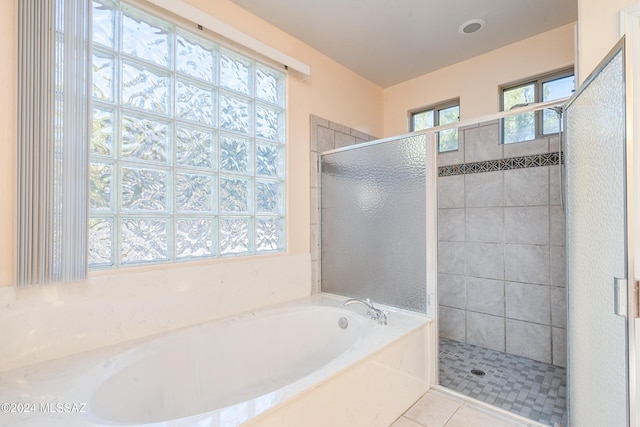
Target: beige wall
x=598, y=31
x=332, y=91
x=8, y=107
x=476, y=80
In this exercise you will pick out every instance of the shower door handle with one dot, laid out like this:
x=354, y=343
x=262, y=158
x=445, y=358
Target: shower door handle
x=620, y=296
x=636, y=298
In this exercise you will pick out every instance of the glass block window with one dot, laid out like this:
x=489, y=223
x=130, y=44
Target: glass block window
x=436, y=115
x=532, y=125
x=187, y=149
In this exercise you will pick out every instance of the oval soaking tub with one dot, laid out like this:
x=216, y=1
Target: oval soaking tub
x=280, y=366
x=219, y=364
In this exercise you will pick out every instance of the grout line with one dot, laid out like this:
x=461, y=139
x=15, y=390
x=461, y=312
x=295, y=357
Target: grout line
x=454, y=414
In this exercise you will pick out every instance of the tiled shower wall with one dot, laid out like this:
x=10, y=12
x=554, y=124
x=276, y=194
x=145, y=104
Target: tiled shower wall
x=325, y=135
x=501, y=245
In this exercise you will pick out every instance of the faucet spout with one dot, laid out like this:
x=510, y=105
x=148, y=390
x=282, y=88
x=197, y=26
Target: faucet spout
x=373, y=312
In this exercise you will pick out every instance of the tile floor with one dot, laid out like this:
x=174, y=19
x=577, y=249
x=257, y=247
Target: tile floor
x=438, y=409
x=531, y=389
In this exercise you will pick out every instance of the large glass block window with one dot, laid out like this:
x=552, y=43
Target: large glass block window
x=187, y=149
x=531, y=125
x=437, y=115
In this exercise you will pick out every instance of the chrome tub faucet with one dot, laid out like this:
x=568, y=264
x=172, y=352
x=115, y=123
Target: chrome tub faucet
x=374, y=313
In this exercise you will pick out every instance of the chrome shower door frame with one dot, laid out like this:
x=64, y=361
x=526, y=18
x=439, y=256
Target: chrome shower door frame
x=630, y=30
x=601, y=359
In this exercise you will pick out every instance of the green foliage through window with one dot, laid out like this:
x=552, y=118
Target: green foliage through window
x=532, y=125
x=438, y=115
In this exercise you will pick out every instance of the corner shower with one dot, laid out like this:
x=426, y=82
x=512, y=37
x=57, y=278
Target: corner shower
x=475, y=238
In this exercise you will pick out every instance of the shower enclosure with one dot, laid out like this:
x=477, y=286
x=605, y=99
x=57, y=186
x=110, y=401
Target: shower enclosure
x=501, y=288
x=476, y=239
x=484, y=224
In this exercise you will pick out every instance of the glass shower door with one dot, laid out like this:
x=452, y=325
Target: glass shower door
x=596, y=251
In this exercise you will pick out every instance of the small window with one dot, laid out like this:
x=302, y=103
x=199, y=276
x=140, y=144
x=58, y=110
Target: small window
x=438, y=115
x=555, y=89
x=532, y=125
x=422, y=120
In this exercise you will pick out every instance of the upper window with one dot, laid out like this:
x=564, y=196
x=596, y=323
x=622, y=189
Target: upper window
x=532, y=125
x=187, y=151
x=437, y=115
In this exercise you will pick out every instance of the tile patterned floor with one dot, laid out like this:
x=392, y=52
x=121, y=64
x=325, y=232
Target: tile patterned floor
x=534, y=390
x=436, y=409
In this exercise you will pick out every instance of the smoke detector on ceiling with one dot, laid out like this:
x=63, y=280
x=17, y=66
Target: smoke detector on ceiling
x=471, y=26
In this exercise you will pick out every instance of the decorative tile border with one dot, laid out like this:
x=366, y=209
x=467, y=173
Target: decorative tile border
x=547, y=159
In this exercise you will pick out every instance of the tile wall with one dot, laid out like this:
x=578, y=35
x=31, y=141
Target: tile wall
x=501, y=245
x=325, y=135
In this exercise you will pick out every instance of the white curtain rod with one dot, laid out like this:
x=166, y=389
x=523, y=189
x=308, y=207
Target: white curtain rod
x=209, y=22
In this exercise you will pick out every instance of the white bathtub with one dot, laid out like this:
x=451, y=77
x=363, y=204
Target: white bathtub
x=258, y=368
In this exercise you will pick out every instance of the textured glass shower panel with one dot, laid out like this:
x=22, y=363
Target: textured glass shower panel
x=595, y=165
x=374, y=223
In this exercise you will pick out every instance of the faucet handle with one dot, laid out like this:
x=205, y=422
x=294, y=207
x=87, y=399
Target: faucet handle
x=381, y=317
x=373, y=311
x=376, y=314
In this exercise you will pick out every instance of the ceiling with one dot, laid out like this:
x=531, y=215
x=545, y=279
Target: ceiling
x=391, y=41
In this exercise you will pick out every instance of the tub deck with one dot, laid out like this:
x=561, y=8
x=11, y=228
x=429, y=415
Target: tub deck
x=368, y=383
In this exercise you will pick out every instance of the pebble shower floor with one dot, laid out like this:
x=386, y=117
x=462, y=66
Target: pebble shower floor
x=534, y=390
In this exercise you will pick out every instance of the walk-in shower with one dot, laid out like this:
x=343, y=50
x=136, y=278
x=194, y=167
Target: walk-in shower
x=491, y=215
x=501, y=287
x=476, y=239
